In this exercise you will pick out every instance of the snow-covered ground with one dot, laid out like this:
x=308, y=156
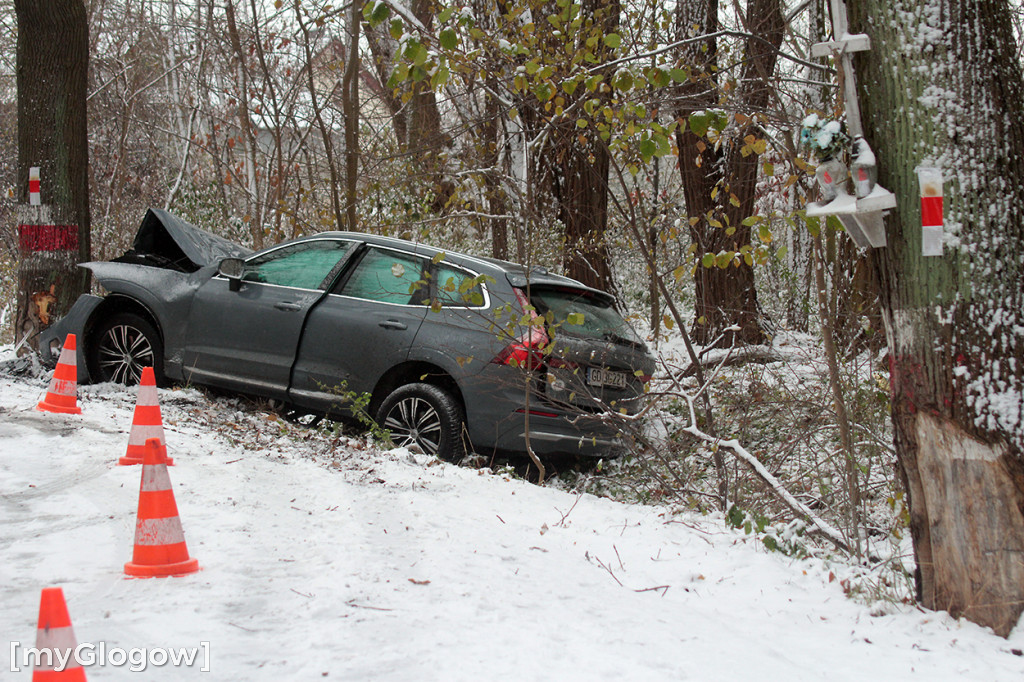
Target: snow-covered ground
x=324, y=558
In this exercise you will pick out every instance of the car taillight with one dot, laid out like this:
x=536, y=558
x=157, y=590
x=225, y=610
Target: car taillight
x=520, y=354
x=528, y=350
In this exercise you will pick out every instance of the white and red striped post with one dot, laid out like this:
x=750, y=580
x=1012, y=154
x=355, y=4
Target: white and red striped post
x=930, y=180
x=33, y=187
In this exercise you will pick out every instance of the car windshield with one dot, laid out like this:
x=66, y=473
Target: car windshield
x=581, y=313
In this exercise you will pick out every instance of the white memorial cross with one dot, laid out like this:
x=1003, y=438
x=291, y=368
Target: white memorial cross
x=861, y=215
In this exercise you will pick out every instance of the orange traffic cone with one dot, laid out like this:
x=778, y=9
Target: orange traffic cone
x=146, y=422
x=62, y=395
x=159, y=540
x=55, y=641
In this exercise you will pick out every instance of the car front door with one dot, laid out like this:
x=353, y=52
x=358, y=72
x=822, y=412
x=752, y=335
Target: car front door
x=246, y=340
x=362, y=328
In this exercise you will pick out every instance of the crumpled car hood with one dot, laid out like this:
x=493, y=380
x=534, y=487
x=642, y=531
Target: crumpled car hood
x=165, y=240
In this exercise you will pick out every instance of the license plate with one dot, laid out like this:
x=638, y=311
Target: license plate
x=596, y=376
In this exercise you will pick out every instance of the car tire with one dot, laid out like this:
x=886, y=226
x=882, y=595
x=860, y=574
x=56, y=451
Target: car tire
x=121, y=346
x=425, y=416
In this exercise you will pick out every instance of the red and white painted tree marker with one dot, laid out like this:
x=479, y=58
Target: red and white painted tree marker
x=930, y=180
x=33, y=187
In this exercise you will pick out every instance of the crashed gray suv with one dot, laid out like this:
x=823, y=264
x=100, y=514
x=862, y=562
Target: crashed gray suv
x=455, y=352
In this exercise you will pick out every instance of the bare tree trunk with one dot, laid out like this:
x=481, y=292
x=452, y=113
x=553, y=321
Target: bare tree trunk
x=719, y=180
x=583, y=175
x=52, y=65
x=955, y=322
x=248, y=134
x=584, y=210
x=835, y=381
x=276, y=181
x=495, y=193
x=350, y=98
x=326, y=134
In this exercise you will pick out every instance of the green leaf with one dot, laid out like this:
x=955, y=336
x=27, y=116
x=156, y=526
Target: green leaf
x=657, y=77
x=449, y=39
x=699, y=123
x=664, y=146
x=613, y=40
x=574, y=319
x=708, y=260
x=719, y=120
x=647, y=149
x=440, y=77
x=399, y=75
x=415, y=52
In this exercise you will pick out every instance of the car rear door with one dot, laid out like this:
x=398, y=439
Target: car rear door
x=362, y=328
x=246, y=340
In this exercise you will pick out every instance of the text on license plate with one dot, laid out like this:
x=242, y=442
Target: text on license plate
x=597, y=376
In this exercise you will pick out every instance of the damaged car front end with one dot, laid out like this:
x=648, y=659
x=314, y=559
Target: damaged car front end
x=154, y=280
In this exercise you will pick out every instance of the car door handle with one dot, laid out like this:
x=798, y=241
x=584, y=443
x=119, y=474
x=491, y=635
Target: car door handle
x=392, y=324
x=287, y=306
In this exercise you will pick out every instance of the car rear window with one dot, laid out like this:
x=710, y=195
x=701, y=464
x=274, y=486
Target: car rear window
x=581, y=313
x=456, y=287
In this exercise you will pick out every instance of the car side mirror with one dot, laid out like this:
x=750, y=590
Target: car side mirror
x=232, y=269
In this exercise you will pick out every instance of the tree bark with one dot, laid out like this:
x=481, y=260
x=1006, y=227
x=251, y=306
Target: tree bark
x=720, y=180
x=582, y=176
x=350, y=95
x=52, y=73
x=942, y=87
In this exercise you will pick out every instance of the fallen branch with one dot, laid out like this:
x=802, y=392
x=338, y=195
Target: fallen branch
x=774, y=485
x=663, y=588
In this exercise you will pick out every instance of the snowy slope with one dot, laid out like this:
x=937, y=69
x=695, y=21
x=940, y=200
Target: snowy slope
x=324, y=558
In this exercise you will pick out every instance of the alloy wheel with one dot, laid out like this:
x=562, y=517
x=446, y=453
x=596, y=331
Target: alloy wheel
x=413, y=421
x=123, y=352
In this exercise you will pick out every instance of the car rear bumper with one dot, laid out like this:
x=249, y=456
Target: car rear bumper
x=498, y=421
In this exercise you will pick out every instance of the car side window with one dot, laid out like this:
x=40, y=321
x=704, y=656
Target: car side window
x=304, y=265
x=389, y=277
x=457, y=287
